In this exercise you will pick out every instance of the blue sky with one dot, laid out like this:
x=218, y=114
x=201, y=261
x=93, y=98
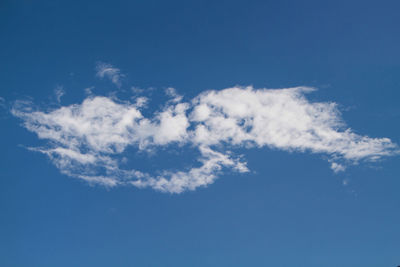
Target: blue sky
x=199, y=133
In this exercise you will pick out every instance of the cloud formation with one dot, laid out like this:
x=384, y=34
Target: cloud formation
x=59, y=92
x=87, y=140
x=106, y=70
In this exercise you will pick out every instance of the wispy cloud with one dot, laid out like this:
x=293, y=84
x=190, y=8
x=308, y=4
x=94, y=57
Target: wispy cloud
x=3, y=108
x=59, y=92
x=2, y=102
x=336, y=167
x=89, y=90
x=106, y=70
x=85, y=140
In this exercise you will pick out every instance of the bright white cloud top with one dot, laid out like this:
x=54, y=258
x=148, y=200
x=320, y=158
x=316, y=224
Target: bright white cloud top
x=86, y=140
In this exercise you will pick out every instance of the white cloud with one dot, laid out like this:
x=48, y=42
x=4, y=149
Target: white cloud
x=89, y=90
x=86, y=140
x=59, y=92
x=281, y=119
x=336, y=167
x=171, y=92
x=177, y=182
x=106, y=70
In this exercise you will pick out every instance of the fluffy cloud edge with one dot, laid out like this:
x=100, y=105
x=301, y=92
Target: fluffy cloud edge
x=84, y=140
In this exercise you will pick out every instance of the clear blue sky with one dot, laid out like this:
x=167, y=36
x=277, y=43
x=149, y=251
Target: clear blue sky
x=291, y=209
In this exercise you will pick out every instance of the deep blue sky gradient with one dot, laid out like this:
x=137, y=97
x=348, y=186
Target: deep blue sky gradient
x=292, y=210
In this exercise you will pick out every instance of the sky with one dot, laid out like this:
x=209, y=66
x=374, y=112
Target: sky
x=199, y=133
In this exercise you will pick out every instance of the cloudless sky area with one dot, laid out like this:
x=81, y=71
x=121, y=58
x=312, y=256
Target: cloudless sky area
x=290, y=210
